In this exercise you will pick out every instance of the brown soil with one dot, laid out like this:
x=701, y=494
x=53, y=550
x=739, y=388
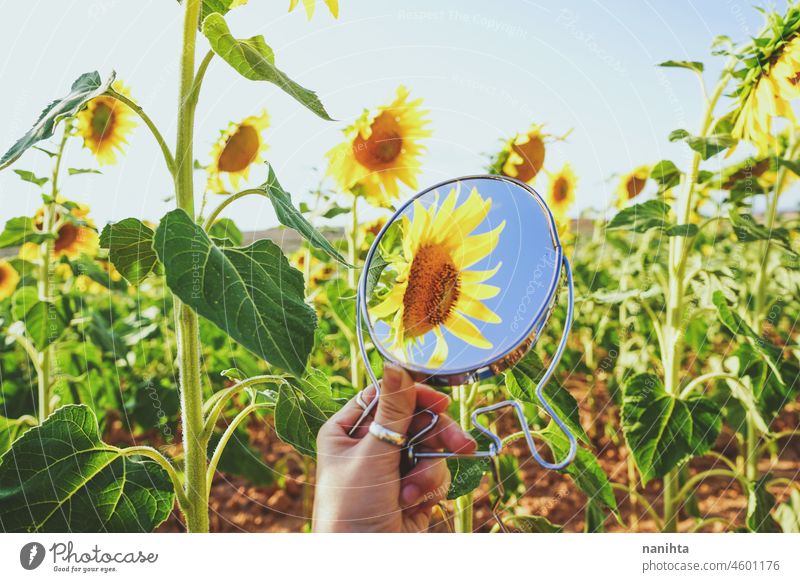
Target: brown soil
x=283, y=506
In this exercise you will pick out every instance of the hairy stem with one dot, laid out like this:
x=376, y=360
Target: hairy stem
x=165, y=464
x=463, y=514
x=352, y=281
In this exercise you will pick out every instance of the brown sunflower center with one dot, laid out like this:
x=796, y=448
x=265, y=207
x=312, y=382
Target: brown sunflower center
x=240, y=150
x=560, y=189
x=532, y=154
x=3, y=274
x=634, y=187
x=382, y=147
x=67, y=237
x=102, y=121
x=433, y=288
x=795, y=79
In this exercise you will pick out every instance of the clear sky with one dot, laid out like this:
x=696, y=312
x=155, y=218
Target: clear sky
x=485, y=70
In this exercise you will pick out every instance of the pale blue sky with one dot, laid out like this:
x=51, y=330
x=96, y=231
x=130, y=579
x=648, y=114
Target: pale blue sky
x=485, y=69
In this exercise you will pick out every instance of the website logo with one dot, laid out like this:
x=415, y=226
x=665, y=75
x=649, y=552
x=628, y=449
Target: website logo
x=31, y=555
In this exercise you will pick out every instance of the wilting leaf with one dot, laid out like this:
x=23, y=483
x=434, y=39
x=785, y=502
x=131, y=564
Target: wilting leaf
x=760, y=503
x=254, y=59
x=20, y=230
x=130, y=248
x=289, y=216
x=27, y=176
x=663, y=430
x=642, y=217
x=695, y=66
x=302, y=408
x=250, y=293
x=61, y=477
x=44, y=321
x=521, y=381
x=748, y=230
x=84, y=89
x=584, y=470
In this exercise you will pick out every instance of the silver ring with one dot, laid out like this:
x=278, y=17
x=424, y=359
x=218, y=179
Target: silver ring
x=360, y=399
x=386, y=435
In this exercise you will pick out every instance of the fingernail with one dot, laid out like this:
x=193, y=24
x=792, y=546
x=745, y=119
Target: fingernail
x=410, y=495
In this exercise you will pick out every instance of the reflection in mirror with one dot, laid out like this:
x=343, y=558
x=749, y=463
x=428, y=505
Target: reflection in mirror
x=462, y=276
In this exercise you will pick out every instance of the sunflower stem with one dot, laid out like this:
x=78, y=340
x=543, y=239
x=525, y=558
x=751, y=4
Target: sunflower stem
x=463, y=514
x=187, y=325
x=352, y=256
x=212, y=218
x=168, y=157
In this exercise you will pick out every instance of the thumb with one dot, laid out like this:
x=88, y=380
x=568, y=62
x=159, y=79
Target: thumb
x=397, y=401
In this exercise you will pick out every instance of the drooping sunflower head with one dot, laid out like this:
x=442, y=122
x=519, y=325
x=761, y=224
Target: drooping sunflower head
x=432, y=288
x=240, y=146
x=522, y=157
x=561, y=191
x=769, y=79
x=631, y=185
x=309, y=5
x=382, y=150
x=105, y=125
x=9, y=279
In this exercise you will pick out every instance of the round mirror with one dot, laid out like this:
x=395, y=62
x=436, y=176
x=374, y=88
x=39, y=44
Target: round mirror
x=461, y=280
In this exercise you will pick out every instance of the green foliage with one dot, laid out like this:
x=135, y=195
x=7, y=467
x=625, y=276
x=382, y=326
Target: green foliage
x=302, y=408
x=251, y=293
x=83, y=90
x=60, y=477
x=662, y=430
x=20, y=230
x=44, y=321
x=254, y=59
x=130, y=248
x=760, y=503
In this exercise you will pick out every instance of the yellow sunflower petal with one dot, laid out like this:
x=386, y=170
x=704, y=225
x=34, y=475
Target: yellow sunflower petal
x=466, y=331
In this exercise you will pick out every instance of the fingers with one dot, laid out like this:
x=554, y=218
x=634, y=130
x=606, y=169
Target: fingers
x=397, y=401
x=426, y=484
x=447, y=434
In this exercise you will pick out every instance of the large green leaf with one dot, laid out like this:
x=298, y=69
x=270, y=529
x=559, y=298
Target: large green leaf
x=84, y=89
x=748, y=230
x=254, y=59
x=760, y=503
x=662, y=430
x=289, y=216
x=706, y=146
x=130, y=248
x=521, y=381
x=642, y=217
x=302, y=408
x=61, y=477
x=44, y=322
x=584, y=470
x=20, y=230
x=251, y=293
x=10, y=430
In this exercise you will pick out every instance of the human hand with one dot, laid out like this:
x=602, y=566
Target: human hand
x=359, y=484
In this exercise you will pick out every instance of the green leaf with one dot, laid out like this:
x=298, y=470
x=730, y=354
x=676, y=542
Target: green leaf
x=788, y=513
x=78, y=171
x=706, y=146
x=10, y=430
x=225, y=230
x=232, y=374
x=584, y=470
x=239, y=457
x=302, y=408
x=662, y=430
x=737, y=326
x=130, y=248
x=747, y=229
x=534, y=524
x=760, y=503
x=44, y=322
x=521, y=381
x=376, y=267
x=289, y=216
x=27, y=176
x=682, y=230
x=666, y=174
x=695, y=66
x=219, y=6
x=20, y=230
x=84, y=89
x=250, y=293
x=61, y=477
x=465, y=475
x=641, y=217
x=254, y=59
x=595, y=519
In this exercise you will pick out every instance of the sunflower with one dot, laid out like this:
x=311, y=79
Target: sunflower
x=239, y=147
x=631, y=185
x=523, y=156
x=309, y=5
x=433, y=290
x=561, y=193
x=9, y=279
x=76, y=235
x=105, y=124
x=382, y=150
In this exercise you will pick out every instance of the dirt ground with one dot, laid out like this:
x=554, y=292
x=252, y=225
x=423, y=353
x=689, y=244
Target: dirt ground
x=285, y=505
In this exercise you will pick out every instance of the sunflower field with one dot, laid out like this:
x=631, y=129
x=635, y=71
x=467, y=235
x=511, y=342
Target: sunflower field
x=172, y=375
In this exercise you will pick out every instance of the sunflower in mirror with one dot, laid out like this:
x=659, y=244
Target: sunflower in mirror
x=427, y=286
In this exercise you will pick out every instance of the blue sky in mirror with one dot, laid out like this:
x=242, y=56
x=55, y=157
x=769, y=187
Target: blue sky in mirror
x=528, y=256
